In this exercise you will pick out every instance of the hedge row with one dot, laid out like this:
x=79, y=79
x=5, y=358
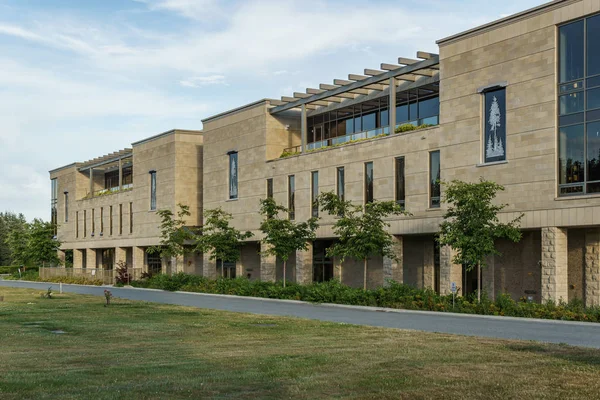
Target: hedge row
x=15, y=269
x=35, y=276
x=395, y=296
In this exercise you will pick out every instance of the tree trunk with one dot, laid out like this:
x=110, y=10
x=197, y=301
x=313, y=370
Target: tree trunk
x=479, y=282
x=365, y=276
x=284, y=265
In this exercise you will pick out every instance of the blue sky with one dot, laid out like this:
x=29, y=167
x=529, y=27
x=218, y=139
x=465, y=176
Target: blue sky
x=79, y=79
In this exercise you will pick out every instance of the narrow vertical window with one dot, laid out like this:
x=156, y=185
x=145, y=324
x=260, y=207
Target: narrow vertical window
x=495, y=126
x=291, y=196
x=434, y=179
x=368, y=182
x=84, y=223
x=110, y=220
x=120, y=219
x=66, y=198
x=101, y=221
x=130, y=217
x=314, y=193
x=93, y=222
x=400, y=194
x=341, y=188
x=77, y=224
x=270, y=188
x=233, y=176
x=152, y=190
x=53, y=205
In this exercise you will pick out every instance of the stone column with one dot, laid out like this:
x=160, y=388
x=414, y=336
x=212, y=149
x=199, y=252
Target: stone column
x=487, y=278
x=90, y=261
x=449, y=272
x=394, y=269
x=209, y=267
x=120, y=255
x=337, y=268
x=77, y=258
x=303, y=129
x=61, y=257
x=304, y=265
x=554, y=264
x=138, y=257
x=267, y=265
x=428, y=265
x=592, y=267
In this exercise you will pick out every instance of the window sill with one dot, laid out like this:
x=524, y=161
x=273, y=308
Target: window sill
x=433, y=209
x=577, y=197
x=491, y=163
x=236, y=199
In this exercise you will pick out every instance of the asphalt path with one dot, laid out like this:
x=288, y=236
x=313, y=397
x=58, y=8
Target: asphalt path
x=573, y=333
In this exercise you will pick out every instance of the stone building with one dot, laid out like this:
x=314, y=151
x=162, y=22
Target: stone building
x=515, y=101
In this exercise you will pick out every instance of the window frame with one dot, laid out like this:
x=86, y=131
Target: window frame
x=401, y=202
x=233, y=158
x=153, y=186
x=314, y=193
x=484, y=91
x=366, y=190
x=343, y=183
x=270, y=189
x=430, y=180
x=291, y=197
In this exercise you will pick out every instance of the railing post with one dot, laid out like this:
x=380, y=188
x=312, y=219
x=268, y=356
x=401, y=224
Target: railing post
x=91, y=182
x=392, y=105
x=120, y=174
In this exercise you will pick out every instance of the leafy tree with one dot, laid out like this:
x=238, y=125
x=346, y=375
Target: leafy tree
x=17, y=239
x=221, y=240
x=33, y=243
x=471, y=224
x=362, y=232
x=283, y=236
x=8, y=222
x=173, y=233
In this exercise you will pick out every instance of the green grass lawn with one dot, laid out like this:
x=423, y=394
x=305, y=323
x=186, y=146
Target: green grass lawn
x=143, y=350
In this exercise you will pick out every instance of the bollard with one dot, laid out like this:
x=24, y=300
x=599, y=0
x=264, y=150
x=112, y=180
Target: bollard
x=60, y=287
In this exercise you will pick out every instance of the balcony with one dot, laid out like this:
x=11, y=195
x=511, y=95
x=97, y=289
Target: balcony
x=110, y=174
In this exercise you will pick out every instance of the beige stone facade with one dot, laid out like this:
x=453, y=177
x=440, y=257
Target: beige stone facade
x=558, y=257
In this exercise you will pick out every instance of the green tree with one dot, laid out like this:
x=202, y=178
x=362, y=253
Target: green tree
x=219, y=238
x=283, y=236
x=17, y=240
x=42, y=249
x=8, y=222
x=174, y=235
x=471, y=225
x=361, y=231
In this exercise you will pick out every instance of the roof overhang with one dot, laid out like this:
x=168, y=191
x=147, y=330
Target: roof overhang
x=106, y=159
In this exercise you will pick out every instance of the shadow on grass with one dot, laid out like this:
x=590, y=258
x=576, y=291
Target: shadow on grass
x=561, y=351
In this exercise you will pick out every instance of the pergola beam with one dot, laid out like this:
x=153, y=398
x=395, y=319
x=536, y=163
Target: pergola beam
x=373, y=72
x=426, y=56
x=356, y=77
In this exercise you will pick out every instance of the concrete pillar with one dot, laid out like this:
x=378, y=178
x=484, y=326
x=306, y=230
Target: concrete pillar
x=177, y=264
x=592, y=267
x=209, y=267
x=267, y=265
x=487, y=277
x=392, y=105
x=139, y=259
x=394, y=269
x=91, y=182
x=554, y=264
x=90, y=261
x=303, y=129
x=304, y=265
x=428, y=265
x=120, y=174
x=449, y=272
x=61, y=257
x=77, y=258
x=337, y=268
x=120, y=255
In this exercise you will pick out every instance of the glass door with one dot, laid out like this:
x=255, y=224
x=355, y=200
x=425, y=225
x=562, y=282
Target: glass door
x=322, y=265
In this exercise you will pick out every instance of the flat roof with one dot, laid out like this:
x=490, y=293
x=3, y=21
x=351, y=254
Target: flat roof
x=167, y=133
x=507, y=20
x=237, y=109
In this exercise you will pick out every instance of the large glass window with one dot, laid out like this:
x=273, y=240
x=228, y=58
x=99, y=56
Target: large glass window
x=369, y=182
x=579, y=107
x=495, y=126
x=434, y=179
x=314, y=192
x=400, y=195
x=341, y=189
x=291, y=197
x=152, y=190
x=233, y=175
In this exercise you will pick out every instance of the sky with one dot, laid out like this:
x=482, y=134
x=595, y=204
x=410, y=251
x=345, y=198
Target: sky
x=80, y=79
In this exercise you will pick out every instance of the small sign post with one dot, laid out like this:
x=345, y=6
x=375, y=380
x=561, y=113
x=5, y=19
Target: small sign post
x=453, y=288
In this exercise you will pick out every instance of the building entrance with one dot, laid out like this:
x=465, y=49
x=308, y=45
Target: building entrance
x=322, y=265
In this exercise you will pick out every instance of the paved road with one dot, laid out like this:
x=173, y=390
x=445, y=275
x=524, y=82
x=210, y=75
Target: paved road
x=573, y=333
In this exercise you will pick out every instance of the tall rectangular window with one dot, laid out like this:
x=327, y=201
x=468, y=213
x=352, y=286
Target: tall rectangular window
x=93, y=222
x=101, y=221
x=400, y=195
x=270, y=188
x=314, y=193
x=53, y=204
x=495, y=125
x=120, y=219
x=233, y=176
x=130, y=217
x=291, y=197
x=152, y=190
x=434, y=179
x=340, y=184
x=66, y=208
x=84, y=223
x=579, y=108
x=368, y=182
x=77, y=224
x=110, y=220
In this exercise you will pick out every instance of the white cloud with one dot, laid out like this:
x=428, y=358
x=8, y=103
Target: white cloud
x=199, y=81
